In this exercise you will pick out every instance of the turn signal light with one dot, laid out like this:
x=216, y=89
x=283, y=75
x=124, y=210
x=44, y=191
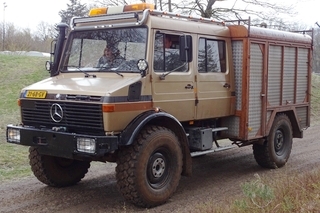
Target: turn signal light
x=108, y=108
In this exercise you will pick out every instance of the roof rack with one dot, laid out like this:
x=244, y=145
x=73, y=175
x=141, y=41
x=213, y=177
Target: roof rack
x=188, y=17
x=240, y=21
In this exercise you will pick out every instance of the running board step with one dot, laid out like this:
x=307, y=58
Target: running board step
x=218, y=129
x=222, y=148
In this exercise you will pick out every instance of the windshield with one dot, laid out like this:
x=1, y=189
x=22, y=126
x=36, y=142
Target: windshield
x=105, y=50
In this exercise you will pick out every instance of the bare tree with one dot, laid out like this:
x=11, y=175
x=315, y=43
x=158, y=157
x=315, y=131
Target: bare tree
x=236, y=9
x=43, y=37
x=160, y=4
x=24, y=39
x=108, y=3
x=279, y=24
x=218, y=9
x=316, y=50
x=18, y=40
x=45, y=31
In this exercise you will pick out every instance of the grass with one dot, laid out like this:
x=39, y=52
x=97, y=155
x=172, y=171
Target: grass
x=299, y=193
x=16, y=73
x=292, y=194
x=315, y=98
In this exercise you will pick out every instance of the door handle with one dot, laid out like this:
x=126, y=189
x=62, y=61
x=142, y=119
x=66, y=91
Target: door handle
x=189, y=86
x=226, y=85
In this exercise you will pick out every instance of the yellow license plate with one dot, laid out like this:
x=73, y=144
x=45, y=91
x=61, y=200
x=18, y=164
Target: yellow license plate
x=36, y=94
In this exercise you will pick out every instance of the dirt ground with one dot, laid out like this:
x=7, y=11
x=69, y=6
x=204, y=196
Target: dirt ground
x=216, y=177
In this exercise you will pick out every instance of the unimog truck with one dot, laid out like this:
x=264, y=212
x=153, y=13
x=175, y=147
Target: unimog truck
x=162, y=104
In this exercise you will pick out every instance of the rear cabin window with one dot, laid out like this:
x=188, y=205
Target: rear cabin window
x=211, y=55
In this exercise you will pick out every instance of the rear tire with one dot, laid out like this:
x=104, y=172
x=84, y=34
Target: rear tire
x=149, y=170
x=55, y=171
x=275, y=151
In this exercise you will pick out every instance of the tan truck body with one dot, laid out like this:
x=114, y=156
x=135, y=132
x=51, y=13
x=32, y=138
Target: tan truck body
x=247, y=84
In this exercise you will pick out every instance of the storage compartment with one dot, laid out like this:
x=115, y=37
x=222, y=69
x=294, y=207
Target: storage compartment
x=200, y=139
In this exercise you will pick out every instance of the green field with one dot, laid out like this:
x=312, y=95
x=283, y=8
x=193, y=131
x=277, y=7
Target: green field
x=16, y=73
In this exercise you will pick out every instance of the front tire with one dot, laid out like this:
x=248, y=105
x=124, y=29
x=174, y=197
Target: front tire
x=55, y=171
x=148, y=171
x=275, y=152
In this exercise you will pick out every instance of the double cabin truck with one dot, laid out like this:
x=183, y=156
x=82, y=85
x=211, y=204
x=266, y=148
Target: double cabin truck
x=162, y=104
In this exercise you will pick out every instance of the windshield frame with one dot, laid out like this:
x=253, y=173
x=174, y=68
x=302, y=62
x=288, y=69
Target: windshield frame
x=64, y=66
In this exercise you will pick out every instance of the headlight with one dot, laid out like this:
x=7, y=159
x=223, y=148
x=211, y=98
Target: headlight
x=86, y=145
x=13, y=135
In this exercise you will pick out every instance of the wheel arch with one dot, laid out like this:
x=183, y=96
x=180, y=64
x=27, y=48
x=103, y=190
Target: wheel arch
x=164, y=119
x=292, y=115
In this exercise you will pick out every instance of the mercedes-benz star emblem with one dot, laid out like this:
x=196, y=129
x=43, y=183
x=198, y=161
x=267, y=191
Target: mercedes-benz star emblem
x=56, y=113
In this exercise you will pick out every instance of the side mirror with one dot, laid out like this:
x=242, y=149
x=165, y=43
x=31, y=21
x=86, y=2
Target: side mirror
x=49, y=64
x=185, y=48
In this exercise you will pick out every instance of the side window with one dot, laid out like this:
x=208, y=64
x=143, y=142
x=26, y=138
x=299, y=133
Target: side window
x=166, y=54
x=211, y=55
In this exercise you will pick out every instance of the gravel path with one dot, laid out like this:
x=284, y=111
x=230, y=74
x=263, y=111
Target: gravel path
x=216, y=177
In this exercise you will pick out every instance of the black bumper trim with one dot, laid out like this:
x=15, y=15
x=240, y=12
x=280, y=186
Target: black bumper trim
x=62, y=144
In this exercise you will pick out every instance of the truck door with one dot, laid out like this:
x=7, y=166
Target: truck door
x=214, y=86
x=172, y=79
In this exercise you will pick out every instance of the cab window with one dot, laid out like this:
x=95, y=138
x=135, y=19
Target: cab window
x=166, y=54
x=211, y=55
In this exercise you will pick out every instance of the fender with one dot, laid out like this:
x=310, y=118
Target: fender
x=129, y=134
x=293, y=116
x=135, y=126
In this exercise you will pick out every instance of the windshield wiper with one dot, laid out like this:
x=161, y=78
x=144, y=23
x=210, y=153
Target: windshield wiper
x=105, y=67
x=86, y=74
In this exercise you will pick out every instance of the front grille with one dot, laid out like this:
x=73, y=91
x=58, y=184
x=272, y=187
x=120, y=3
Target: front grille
x=83, y=98
x=77, y=117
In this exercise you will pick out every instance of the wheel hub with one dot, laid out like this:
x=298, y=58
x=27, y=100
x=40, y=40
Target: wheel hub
x=158, y=167
x=157, y=171
x=279, y=140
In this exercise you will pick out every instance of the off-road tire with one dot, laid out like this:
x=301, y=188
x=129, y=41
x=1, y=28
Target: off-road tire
x=148, y=171
x=275, y=151
x=55, y=171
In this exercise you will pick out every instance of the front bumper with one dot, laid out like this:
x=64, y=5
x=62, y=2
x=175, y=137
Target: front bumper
x=62, y=144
